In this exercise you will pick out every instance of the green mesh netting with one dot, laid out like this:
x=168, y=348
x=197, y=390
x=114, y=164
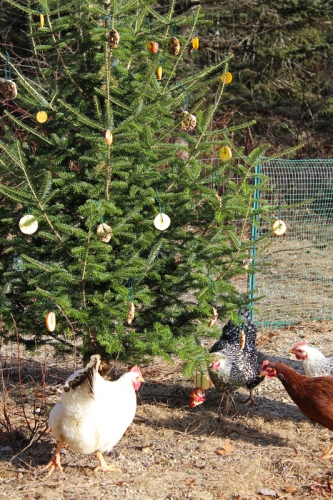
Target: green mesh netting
x=296, y=273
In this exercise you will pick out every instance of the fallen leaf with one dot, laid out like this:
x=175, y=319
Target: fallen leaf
x=227, y=449
x=190, y=480
x=289, y=488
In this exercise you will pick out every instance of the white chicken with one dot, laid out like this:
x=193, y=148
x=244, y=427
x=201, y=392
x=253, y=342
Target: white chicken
x=94, y=413
x=314, y=362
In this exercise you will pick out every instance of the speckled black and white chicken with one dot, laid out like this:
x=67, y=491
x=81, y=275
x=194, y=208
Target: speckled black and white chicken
x=236, y=360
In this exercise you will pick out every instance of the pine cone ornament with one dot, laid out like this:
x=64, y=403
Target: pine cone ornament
x=189, y=122
x=113, y=39
x=8, y=89
x=174, y=46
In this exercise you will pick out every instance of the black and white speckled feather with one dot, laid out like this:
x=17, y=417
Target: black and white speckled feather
x=237, y=367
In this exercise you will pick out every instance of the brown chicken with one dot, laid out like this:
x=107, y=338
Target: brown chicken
x=312, y=395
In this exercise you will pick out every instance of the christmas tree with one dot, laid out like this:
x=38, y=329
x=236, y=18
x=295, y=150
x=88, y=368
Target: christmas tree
x=112, y=226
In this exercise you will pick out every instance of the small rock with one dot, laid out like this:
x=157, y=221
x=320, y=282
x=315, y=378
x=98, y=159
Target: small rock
x=267, y=492
x=5, y=448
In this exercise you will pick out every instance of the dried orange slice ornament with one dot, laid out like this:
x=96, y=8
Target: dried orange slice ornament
x=225, y=153
x=226, y=78
x=50, y=321
x=195, y=43
x=41, y=116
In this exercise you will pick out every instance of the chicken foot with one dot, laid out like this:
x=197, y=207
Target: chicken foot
x=250, y=400
x=55, y=460
x=328, y=453
x=104, y=467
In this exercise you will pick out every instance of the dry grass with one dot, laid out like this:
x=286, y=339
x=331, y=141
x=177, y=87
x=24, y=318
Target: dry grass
x=170, y=451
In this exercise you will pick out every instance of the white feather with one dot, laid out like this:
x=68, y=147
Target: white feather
x=316, y=364
x=90, y=424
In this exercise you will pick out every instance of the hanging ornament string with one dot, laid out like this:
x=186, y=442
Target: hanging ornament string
x=173, y=29
x=99, y=212
x=215, y=176
x=161, y=221
x=214, y=296
x=8, y=75
x=181, y=85
x=161, y=207
x=108, y=20
x=130, y=286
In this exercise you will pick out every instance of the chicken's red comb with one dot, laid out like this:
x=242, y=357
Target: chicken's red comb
x=301, y=343
x=136, y=369
x=264, y=363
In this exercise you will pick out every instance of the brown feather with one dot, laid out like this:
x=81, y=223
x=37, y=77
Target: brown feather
x=312, y=395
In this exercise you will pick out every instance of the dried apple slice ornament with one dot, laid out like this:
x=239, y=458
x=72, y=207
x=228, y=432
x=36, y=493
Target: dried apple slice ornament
x=104, y=232
x=279, y=227
x=202, y=381
x=162, y=221
x=28, y=224
x=50, y=321
x=108, y=137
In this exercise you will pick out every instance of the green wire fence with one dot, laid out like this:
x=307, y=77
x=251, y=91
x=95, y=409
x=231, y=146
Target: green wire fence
x=296, y=270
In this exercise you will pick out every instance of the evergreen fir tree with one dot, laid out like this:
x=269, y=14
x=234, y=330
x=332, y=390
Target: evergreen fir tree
x=282, y=69
x=119, y=148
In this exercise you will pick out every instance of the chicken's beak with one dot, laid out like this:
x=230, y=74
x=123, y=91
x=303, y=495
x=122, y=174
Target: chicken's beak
x=142, y=379
x=291, y=351
x=214, y=366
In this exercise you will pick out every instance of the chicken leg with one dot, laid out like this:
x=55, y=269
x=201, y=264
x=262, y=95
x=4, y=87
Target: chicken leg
x=250, y=400
x=55, y=460
x=327, y=453
x=104, y=467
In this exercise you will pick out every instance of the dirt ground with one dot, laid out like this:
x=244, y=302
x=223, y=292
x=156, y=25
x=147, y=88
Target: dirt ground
x=170, y=451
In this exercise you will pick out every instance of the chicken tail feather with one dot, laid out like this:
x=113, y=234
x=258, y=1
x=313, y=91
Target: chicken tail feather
x=86, y=374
